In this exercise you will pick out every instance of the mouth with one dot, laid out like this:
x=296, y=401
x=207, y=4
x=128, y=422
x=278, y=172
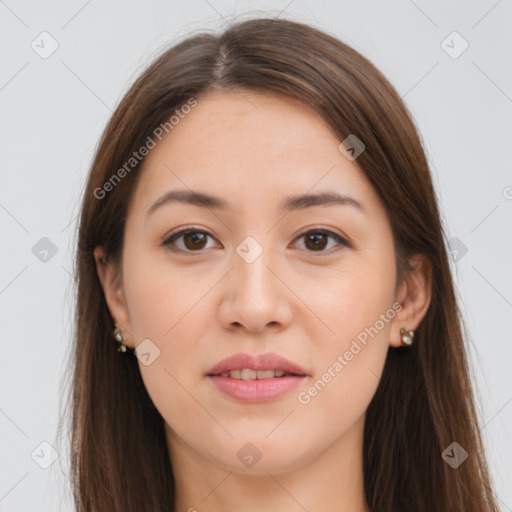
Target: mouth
x=251, y=374
x=261, y=378
x=252, y=367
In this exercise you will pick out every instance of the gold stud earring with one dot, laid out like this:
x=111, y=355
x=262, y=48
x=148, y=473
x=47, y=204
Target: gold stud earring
x=119, y=337
x=407, y=336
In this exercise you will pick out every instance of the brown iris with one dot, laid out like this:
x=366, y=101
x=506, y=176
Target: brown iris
x=319, y=241
x=197, y=240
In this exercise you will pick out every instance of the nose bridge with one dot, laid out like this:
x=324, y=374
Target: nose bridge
x=256, y=297
x=252, y=260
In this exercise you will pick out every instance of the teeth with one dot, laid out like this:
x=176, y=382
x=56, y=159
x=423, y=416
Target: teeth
x=265, y=374
x=248, y=374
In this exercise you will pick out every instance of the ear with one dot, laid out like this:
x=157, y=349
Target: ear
x=111, y=282
x=414, y=294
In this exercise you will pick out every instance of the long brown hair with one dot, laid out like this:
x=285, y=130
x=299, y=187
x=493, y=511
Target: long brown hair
x=424, y=401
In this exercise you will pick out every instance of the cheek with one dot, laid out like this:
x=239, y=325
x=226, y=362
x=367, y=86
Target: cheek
x=349, y=367
x=351, y=301
x=162, y=298
x=169, y=307
x=350, y=355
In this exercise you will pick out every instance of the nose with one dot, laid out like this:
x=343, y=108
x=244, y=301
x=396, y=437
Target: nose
x=255, y=296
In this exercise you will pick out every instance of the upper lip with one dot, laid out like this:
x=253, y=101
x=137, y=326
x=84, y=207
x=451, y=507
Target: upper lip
x=256, y=362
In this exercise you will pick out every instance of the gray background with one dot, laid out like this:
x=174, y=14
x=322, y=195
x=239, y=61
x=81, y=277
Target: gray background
x=53, y=111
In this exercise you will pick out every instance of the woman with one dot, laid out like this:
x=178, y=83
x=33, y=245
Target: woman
x=265, y=312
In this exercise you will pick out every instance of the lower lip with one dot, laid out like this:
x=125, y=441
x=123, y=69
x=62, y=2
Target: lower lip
x=256, y=390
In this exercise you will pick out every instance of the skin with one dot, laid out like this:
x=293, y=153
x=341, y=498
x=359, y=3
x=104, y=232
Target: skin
x=253, y=149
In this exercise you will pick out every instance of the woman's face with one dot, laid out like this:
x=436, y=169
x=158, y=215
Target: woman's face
x=313, y=283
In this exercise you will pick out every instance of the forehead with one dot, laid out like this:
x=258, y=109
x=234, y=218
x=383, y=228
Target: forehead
x=248, y=146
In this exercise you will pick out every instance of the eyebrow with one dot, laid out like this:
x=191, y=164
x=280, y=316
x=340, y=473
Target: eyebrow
x=290, y=203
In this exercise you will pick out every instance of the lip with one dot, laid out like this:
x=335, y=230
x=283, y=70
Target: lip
x=268, y=361
x=256, y=390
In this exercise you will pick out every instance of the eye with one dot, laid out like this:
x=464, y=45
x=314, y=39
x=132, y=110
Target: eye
x=317, y=240
x=194, y=240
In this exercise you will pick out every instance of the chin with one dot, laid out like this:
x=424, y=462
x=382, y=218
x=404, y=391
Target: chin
x=261, y=455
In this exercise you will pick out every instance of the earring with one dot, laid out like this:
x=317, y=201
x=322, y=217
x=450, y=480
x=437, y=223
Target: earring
x=118, y=336
x=407, y=336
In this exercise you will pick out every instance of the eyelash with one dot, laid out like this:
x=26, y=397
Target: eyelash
x=178, y=234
